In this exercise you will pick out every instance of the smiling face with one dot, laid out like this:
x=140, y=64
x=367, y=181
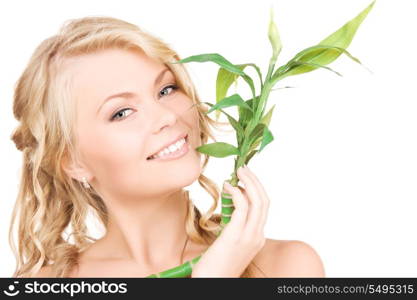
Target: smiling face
x=116, y=135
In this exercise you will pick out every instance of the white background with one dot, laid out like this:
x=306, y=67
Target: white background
x=342, y=170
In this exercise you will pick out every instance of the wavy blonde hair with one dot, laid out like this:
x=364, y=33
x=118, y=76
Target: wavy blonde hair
x=48, y=201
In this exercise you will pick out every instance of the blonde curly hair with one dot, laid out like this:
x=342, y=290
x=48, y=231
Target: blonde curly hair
x=49, y=202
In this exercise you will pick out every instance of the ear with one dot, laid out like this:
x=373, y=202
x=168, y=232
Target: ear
x=74, y=168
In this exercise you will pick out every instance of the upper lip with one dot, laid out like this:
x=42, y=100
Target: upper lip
x=180, y=136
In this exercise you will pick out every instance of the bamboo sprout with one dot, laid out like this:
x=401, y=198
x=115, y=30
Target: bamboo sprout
x=252, y=127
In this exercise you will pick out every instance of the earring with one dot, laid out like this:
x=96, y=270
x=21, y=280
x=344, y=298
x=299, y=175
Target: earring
x=85, y=183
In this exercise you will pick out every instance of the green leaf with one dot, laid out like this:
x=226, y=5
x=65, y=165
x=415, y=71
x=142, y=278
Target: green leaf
x=302, y=61
x=258, y=70
x=226, y=65
x=235, y=124
x=255, y=144
x=224, y=80
x=313, y=66
x=266, y=138
x=218, y=149
x=326, y=51
x=263, y=137
x=233, y=100
x=344, y=35
x=250, y=155
x=256, y=132
x=213, y=57
x=249, y=81
x=266, y=119
x=239, y=130
x=245, y=115
x=311, y=54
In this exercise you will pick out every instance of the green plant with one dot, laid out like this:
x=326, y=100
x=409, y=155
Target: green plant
x=252, y=126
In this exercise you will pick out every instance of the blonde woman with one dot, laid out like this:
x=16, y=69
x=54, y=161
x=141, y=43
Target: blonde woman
x=96, y=104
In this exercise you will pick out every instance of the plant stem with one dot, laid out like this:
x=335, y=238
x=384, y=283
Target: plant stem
x=227, y=208
x=180, y=271
x=272, y=62
x=266, y=89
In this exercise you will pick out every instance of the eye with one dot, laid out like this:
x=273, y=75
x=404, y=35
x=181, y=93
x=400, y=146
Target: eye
x=120, y=112
x=173, y=86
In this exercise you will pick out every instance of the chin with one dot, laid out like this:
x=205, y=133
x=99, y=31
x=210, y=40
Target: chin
x=190, y=173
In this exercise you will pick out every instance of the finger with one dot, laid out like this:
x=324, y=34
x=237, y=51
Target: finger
x=239, y=215
x=255, y=201
x=261, y=190
x=258, y=184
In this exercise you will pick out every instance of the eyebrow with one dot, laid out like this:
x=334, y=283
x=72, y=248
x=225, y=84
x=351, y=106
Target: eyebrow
x=128, y=95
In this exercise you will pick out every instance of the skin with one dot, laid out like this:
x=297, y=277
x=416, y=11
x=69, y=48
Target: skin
x=145, y=199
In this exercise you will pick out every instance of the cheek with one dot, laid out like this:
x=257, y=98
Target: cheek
x=112, y=152
x=191, y=117
x=196, y=130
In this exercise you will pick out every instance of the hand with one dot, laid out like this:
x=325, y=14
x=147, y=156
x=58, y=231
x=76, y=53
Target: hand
x=243, y=237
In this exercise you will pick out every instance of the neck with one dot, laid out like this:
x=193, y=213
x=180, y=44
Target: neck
x=149, y=233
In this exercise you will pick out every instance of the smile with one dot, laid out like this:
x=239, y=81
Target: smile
x=174, y=151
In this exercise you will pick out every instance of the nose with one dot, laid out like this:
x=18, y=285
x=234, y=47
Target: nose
x=162, y=116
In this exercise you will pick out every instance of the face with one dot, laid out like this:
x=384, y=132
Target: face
x=116, y=135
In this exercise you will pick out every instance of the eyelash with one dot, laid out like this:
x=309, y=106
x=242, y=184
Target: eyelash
x=173, y=86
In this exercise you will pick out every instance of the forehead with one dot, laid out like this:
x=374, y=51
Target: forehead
x=104, y=72
x=107, y=62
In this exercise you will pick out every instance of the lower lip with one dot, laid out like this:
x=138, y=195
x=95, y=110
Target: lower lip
x=175, y=155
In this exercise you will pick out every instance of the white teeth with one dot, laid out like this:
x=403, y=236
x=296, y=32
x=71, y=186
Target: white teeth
x=179, y=143
x=170, y=149
x=173, y=148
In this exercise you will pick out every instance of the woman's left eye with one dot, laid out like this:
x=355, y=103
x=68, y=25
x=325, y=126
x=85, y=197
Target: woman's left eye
x=120, y=112
x=173, y=86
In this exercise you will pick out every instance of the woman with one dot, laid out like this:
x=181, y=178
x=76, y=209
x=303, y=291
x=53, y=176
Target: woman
x=97, y=103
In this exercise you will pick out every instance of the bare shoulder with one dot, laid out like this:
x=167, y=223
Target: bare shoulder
x=289, y=258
